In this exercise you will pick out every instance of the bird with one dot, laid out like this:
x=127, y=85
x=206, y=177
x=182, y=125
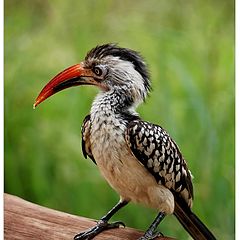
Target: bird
x=138, y=159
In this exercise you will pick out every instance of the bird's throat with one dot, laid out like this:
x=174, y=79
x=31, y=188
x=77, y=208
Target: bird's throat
x=112, y=103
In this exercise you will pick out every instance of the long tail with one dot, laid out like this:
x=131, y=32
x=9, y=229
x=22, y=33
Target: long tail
x=193, y=225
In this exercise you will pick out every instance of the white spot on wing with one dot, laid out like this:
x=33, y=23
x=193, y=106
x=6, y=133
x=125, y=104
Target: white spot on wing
x=178, y=176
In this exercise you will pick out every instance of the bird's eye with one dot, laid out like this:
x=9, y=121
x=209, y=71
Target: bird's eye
x=98, y=71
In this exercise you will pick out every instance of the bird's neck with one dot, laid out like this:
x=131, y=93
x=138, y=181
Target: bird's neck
x=114, y=103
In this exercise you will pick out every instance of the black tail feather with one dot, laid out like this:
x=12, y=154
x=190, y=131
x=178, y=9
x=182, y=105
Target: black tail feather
x=193, y=225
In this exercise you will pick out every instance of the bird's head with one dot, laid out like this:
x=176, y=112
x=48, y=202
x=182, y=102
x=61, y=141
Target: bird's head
x=108, y=67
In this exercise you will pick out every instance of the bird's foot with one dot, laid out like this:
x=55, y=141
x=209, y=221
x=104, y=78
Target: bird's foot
x=150, y=235
x=101, y=226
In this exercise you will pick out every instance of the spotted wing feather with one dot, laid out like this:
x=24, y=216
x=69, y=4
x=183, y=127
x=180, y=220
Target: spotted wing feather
x=86, y=145
x=155, y=149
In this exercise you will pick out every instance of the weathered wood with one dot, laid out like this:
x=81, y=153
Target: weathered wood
x=25, y=220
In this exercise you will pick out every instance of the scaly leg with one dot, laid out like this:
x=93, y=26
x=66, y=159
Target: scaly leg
x=103, y=224
x=151, y=233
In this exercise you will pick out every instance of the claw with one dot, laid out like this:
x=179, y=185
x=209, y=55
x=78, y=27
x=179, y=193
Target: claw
x=151, y=235
x=117, y=224
x=101, y=226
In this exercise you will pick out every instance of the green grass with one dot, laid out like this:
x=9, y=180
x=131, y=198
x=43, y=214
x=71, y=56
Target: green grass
x=189, y=47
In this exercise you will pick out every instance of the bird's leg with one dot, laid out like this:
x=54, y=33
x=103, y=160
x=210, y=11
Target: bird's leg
x=151, y=233
x=103, y=224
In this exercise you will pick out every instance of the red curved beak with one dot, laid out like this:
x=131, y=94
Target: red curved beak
x=73, y=76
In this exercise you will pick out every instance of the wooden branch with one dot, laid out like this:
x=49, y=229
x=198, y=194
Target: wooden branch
x=24, y=221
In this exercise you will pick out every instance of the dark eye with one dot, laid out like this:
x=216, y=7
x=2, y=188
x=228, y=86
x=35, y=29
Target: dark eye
x=97, y=71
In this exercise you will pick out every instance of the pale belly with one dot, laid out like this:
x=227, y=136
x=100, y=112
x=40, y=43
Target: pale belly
x=127, y=175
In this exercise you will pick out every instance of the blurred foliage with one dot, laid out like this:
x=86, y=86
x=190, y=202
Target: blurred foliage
x=189, y=47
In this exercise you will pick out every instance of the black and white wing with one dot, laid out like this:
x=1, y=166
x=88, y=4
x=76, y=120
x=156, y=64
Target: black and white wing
x=86, y=144
x=155, y=149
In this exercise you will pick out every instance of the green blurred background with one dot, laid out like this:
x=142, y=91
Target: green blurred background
x=189, y=47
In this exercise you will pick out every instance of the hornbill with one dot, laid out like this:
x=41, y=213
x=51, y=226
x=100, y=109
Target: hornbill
x=137, y=158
